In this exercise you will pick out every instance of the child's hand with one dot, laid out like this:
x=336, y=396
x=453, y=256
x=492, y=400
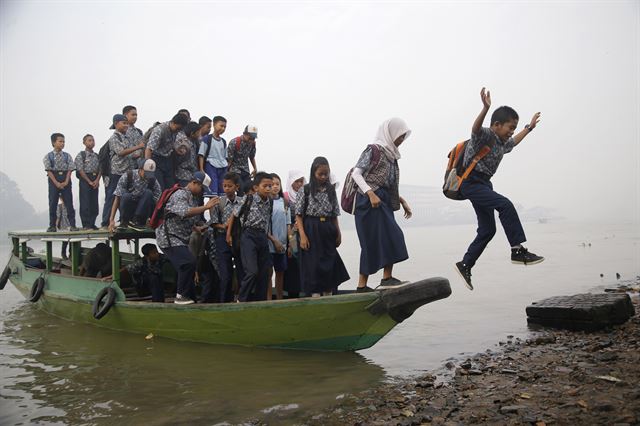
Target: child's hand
x=112, y=225
x=338, y=239
x=304, y=242
x=278, y=246
x=213, y=201
x=486, y=98
x=534, y=121
x=407, y=210
x=196, y=278
x=229, y=240
x=289, y=252
x=374, y=199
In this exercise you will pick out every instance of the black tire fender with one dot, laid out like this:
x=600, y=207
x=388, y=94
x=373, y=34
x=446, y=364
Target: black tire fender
x=100, y=309
x=37, y=289
x=5, y=277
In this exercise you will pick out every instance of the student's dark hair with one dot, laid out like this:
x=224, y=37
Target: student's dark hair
x=313, y=182
x=233, y=177
x=128, y=108
x=184, y=111
x=260, y=176
x=247, y=186
x=55, y=136
x=84, y=138
x=504, y=114
x=275, y=176
x=204, y=120
x=219, y=118
x=148, y=248
x=191, y=128
x=180, y=119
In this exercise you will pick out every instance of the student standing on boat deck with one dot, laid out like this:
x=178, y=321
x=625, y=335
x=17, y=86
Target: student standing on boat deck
x=295, y=182
x=88, y=173
x=317, y=218
x=212, y=156
x=255, y=218
x=185, y=154
x=478, y=188
x=280, y=231
x=121, y=160
x=136, y=195
x=134, y=135
x=182, y=214
x=226, y=256
x=378, y=176
x=240, y=151
x=160, y=146
x=59, y=165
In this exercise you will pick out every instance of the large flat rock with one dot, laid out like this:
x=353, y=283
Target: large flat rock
x=581, y=311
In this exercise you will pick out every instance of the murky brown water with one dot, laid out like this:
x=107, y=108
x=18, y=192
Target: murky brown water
x=57, y=372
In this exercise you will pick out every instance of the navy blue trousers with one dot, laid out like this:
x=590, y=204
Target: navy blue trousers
x=184, y=262
x=485, y=200
x=226, y=261
x=244, y=178
x=153, y=283
x=88, y=202
x=217, y=176
x=165, y=174
x=139, y=209
x=67, y=198
x=108, y=198
x=256, y=261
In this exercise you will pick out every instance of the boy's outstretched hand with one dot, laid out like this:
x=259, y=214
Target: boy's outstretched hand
x=485, y=95
x=534, y=121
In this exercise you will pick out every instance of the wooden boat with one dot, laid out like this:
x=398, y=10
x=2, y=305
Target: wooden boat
x=347, y=321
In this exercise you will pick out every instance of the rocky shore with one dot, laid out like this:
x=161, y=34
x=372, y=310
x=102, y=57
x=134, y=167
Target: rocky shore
x=554, y=377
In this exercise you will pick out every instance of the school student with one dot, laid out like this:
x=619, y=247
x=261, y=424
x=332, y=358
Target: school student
x=121, y=160
x=291, y=279
x=226, y=256
x=182, y=213
x=185, y=155
x=63, y=223
x=317, y=219
x=377, y=175
x=255, y=218
x=160, y=146
x=136, y=195
x=242, y=150
x=212, y=157
x=478, y=188
x=278, y=238
x=59, y=165
x=134, y=135
x=88, y=173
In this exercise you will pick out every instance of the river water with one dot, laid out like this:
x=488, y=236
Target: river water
x=56, y=372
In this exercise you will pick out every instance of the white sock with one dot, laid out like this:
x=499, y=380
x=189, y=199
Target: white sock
x=519, y=246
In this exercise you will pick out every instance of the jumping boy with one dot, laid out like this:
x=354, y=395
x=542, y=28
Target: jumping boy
x=212, y=157
x=478, y=188
x=59, y=165
x=255, y=218
x=88, y=174
x=160, y=146
x=240, y=151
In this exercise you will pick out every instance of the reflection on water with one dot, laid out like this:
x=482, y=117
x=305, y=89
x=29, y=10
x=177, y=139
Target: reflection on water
x=56, y=371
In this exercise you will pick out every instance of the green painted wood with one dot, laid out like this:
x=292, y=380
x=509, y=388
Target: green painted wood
x=99, y=234
x=115, y=261
x=16, y=245
x=49, y=261
x=24, y=252
x=75, y=257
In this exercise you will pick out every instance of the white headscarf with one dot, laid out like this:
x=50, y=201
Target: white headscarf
x=388, y=132
x=294, y=175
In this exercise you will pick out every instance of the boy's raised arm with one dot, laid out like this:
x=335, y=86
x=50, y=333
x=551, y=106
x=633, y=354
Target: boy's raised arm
x=527, y=129
x=485, y=96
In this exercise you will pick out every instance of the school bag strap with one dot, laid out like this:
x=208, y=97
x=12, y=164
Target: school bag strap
x=350, y=187
x=454, y=174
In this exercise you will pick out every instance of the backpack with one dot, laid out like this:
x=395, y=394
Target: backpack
x=104, y=159
x=147, y=134
x=52, y=158
x=207, y=140
x=158, y=216
x=83, y=154
x=350, y=188
x=454, y=175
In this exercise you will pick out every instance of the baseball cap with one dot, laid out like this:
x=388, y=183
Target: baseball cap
x=252, y=130
x=149, y=168
x=205, y=180
x=116, y=118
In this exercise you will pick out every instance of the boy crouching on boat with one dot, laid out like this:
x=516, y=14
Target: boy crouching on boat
x=182, y=213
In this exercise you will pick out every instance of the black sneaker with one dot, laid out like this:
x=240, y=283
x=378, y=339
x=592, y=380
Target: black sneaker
x=51, y=229
x=365, y=289
x=523, y=256
x=124, y=226
x=391, y=282
x=73, y=229
x=94, y=228
x=465, y=273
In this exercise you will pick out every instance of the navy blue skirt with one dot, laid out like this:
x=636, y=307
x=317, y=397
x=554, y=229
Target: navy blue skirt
x=381, y=239
x=322, y=266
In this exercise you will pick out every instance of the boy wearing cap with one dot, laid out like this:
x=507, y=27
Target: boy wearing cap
x=88, y=173
x=160, y=146
x=182, y=213
x=136, y=195
x=121, y=160
x=212, y=157
x=240, y=151
x=59, y=165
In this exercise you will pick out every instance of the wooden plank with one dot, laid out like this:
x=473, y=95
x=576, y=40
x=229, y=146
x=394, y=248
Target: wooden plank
x=75, y=257
x=49, y=256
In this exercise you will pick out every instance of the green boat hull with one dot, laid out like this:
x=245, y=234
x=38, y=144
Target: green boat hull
x=335, y=323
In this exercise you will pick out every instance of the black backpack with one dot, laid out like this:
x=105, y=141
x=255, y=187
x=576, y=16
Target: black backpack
x=104, y=159
x=236, y=229
x=208, y=140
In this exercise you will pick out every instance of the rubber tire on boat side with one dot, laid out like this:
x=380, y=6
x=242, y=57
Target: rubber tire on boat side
x=37, y=289
x=5, y=277
x=100, y=311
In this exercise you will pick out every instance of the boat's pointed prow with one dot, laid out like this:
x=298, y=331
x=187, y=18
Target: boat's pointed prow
x=402, y=301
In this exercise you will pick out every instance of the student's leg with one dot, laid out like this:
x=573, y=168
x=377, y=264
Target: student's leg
x=264, y=264
x=93, y=204
x=211, y=172
x=53, y=204
x=184, y=263
x=280, y=285
x=84, y=202
x=225, y=268
x=154, y=283
x=250, y=256
x=108, y=198
x=478, y=194
x=509, y=220
x=144, y=209
x=128, y=205
x=67, y=197
x=220, y=171
x=63, y=252
x=270, y=284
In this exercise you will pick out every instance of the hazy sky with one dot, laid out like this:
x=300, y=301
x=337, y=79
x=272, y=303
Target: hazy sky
x=318, y=78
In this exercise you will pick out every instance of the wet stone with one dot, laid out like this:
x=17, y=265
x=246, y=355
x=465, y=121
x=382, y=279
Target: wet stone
x=581, y=311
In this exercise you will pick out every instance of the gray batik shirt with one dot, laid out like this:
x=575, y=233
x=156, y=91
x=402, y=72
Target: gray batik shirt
x=489, y=164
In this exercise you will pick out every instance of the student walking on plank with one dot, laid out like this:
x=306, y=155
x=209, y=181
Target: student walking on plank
x=478, y=188
x=378, y=176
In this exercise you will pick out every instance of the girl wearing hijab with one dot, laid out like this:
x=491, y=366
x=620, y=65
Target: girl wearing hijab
x=378, y=176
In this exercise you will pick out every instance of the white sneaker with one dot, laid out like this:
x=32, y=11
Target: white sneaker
x=181, y=300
